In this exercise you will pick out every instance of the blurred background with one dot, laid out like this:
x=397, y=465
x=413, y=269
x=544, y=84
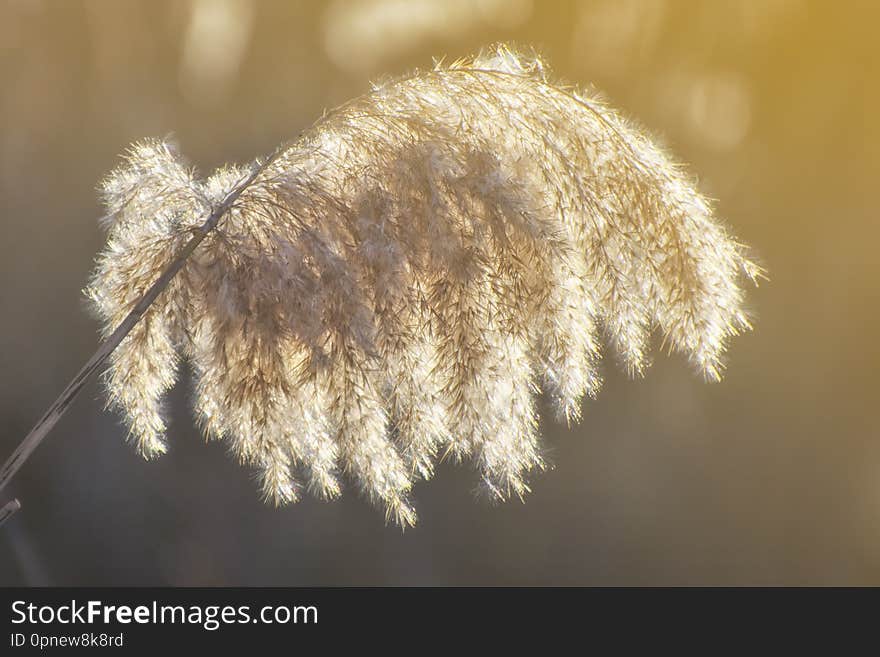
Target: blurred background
x=770, y=477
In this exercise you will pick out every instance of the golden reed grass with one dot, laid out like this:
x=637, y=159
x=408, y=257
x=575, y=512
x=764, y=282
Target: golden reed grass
x=401, y=282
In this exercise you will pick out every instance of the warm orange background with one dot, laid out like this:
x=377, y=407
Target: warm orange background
x=771, y=477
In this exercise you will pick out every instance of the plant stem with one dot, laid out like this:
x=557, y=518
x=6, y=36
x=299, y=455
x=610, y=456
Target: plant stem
x=9, y=510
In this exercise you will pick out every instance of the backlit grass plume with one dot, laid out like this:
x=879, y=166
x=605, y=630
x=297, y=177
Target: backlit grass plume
x=399, y=283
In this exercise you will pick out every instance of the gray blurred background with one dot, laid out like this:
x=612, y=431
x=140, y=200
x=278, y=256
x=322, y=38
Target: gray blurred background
x=771, y=477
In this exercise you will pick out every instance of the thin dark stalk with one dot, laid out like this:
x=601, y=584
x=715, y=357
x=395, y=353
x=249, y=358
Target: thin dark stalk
x=9, y=510
x=59, y=407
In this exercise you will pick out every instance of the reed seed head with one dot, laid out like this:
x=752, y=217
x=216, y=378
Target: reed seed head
x=401, y=282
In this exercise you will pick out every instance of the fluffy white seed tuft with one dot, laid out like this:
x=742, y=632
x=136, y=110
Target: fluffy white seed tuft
x=401, y=282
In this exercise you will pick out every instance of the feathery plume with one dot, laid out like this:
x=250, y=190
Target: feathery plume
x=400, y=283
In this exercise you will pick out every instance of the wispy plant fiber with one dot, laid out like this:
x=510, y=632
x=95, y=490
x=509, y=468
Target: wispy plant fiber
x=400, y=283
